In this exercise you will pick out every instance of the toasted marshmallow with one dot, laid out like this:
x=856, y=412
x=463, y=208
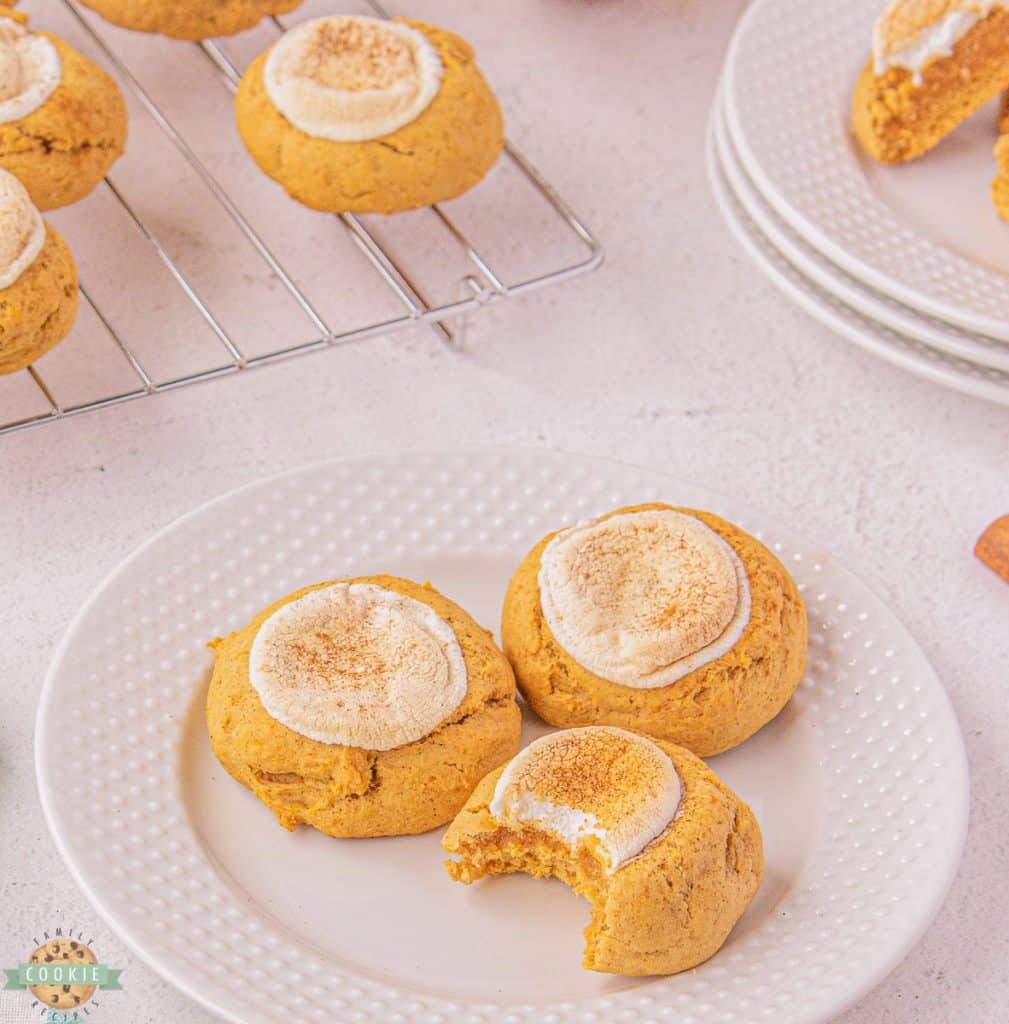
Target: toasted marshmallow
x=643, y=598
x=349, y=79
x=22, y=230
x=910, y=33
x=358, y=665
x=608, y=789
x=30, y=70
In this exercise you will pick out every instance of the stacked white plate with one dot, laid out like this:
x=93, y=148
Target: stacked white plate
x=910, y=262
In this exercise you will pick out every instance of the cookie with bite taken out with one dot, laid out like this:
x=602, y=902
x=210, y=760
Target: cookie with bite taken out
x=668, y=856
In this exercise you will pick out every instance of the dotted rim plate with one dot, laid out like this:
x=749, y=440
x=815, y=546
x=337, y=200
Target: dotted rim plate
x=976, y=348
x=789, y=74
x=889, y=755
x=908, y=353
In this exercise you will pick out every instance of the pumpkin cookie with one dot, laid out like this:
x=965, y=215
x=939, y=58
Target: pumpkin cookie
x=668, y=856
x=58, y=952
x=934, y=63
x=62, y=118
x=189, y=19
x=364, y=707
x=1000, y=187
x=38, y=280
x=369, y=116
x=668, y=621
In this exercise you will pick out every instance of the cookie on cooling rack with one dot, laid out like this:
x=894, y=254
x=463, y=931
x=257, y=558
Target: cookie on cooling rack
x=62, y=118
x=364, y=707
x=189, y=19
x=668, y=856
x=38, y=280
x=355, y=114
x=669, y=621
x=934, y=63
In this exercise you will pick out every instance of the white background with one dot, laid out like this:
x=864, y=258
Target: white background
x=676, y=354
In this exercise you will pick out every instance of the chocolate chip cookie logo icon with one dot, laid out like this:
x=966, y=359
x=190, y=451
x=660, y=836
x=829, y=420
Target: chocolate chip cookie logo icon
x=64, y=976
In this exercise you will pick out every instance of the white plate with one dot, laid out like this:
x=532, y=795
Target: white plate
x=926, y=233
x=976, y=348
x=920, y=359
x=860, y=785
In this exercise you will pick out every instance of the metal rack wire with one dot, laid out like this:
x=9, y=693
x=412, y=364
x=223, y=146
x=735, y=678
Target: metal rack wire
x=481, y=285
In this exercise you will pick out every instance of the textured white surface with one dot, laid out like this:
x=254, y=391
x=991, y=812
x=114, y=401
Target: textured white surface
x=855, y=866
x=800, y=149
x=677, y=354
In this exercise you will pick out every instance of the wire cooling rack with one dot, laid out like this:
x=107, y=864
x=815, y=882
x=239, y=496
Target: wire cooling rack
x=185, y=278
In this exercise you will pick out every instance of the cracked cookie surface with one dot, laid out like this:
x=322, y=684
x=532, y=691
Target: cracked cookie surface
x=709, y=710
x=444, y=152
x=61, y=151
x=668, y=909
x=38, y=310
x=189, y=19
x=349, y=791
